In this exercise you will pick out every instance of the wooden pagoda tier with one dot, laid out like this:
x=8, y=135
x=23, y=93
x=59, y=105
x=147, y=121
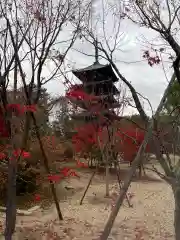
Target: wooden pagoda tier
x=89, y=116
x=96, y=72
x=98, y=89
x=105, y=101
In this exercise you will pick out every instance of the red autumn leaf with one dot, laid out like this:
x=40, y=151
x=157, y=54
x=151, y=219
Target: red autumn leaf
x=129, y=142
x=17, y=152
x=86, y=136
x=74, y=174
x=37, y=197
x=65, y=171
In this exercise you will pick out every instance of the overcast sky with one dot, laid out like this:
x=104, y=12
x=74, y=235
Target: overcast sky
x=148, y=81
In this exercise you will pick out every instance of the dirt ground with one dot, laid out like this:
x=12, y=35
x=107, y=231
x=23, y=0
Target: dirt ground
x=151, y=216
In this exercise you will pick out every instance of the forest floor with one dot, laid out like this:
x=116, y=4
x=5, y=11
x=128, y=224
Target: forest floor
x=151, y=216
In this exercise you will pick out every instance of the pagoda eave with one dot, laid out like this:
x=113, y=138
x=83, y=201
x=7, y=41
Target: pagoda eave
x=105, y=113
x=87, y=105
x=107, y=90
x=108, y=119
x=81, y=117
x=86, y=84
x=101, y=70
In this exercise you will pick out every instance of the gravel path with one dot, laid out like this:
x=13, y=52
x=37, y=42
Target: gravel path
x=150, y=218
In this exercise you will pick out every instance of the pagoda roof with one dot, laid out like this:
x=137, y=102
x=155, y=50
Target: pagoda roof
x=94, y=66
x=96, y=72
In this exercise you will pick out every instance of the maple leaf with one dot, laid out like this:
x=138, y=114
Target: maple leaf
x=65, y=171
x=74, y=174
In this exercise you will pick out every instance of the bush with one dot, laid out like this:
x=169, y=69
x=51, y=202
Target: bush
x=32, y=168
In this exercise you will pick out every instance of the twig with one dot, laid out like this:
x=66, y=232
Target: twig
x=162, y=176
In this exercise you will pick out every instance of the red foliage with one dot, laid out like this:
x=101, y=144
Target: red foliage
x=54, y=178
x=128, y=140
x=76, y=92
x=65, y=171
x=86, y=137
x=15, y=108
x=131, y=140
x=78, y=95
x=23, y=153
x=18, y=109
x=37, y=197
x=73, y=174
x=151, y=60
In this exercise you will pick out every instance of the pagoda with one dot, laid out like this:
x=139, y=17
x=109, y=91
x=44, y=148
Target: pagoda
x=96, y=93
x=96, y=97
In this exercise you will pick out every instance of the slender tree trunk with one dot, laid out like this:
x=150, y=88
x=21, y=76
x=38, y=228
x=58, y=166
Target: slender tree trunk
x=89, y=183
x=46, y=165
x=11, y=200
x=107, y=177
x=176, y=192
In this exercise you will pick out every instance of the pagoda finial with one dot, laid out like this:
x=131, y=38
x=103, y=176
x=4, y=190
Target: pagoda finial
x=96, y=51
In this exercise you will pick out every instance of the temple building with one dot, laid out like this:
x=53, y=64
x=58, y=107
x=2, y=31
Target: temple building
x=96, y=93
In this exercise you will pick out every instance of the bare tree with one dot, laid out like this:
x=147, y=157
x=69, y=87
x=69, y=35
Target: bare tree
x=163, y=18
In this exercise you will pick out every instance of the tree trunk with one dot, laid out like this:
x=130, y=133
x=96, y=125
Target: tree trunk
x=107, y=177
x=176, y=192
x=11, y=200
